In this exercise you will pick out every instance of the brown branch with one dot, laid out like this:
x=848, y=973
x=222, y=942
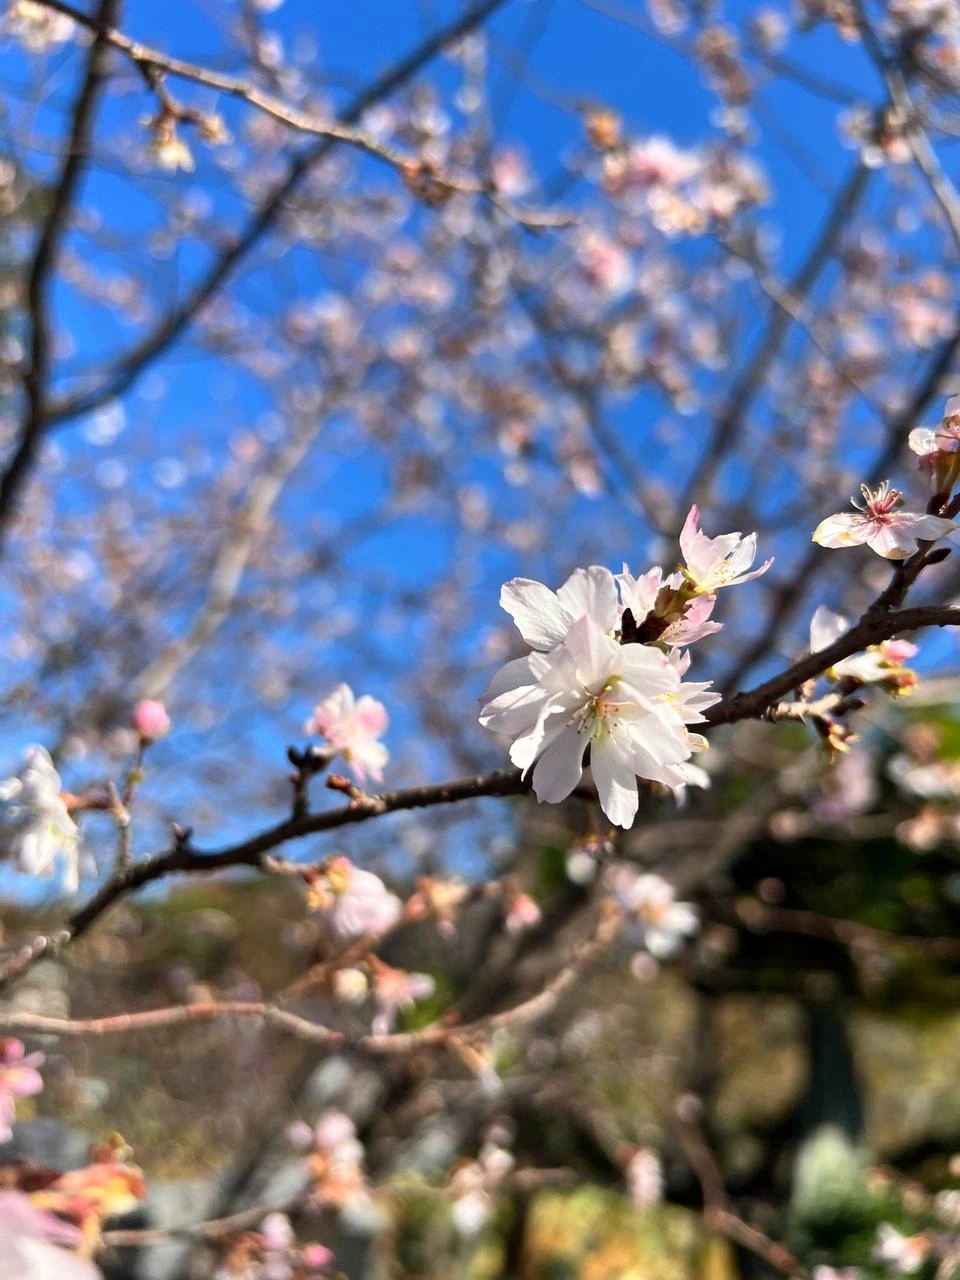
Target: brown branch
x=154, y=65
x=44, y=260
x=130, y=365
x=871, y=629
x=747, y=386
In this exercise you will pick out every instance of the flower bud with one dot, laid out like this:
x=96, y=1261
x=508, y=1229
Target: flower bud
x=150, y=719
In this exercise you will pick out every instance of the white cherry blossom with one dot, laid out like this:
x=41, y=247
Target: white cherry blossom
x=890, y=533
x=712, y=563
x=650, y=901
x=625, y=702
x=36, y=830
x=544, y=617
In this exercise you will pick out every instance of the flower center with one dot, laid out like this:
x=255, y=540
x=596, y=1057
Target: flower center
x=599, y=715
x=880, y=502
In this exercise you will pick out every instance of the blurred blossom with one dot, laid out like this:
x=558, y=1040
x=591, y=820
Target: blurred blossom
x=19, y=1078
x=35, y=1245
x=355, y=902
x=37, y=27
x=644, y=1178
x=880, y=664
x=663, y=924
x=395, y=989
x=37, y=828
x=903, y=1255
x=354, y=727
x=522, y=913
x=150, y=719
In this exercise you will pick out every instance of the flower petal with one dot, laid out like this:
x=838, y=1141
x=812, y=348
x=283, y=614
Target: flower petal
x=616, y=782
x=539, y=616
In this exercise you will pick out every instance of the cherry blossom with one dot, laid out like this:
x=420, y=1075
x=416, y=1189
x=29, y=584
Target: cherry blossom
x=905, y=1255
x=31, y=1244
x=353, y=726
x=335, y=1160
x=282, y=1259
x=395, y=989
x=150, y=719
x=644, y=1178
x=625, y=702
x=890, y=533
x=19, y=1078
x=939, y=448
x=544, y=617
x=712, y=563
x=684, y=620
x=523, y=913
x=37, y=27
x=37, y=828
x=881, y=664
x=355, y=902
x=650, y=901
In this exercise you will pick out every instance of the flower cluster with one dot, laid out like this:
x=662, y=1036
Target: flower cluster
x=272, y=1253
x=939, y=449
x=335, y=1161
x=881, y=664
x=606, y=673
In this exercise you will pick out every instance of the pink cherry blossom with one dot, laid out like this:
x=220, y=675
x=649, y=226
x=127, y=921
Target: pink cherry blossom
x=353, y=727
x=30, y=1244
x=19, y=1078
x=690, y=619
x=356, y=903
x=522, y=913
x=881, y=664
x=890, y=533
x=395, y=989
x=712, y=563
x=903, y=1255
x=939, y=448
x=150, y=719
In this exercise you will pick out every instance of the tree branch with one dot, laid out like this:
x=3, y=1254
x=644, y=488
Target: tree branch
x=41, y=268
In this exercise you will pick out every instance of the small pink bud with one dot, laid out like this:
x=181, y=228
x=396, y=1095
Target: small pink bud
x=150, y=719
x=316, y=1256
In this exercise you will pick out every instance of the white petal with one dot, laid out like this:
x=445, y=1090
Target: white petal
x=596, y=656
x=922, y=440
x=511, y=677
x=844, y=530
x=591, y=591
x=560, y=767
x=537, y=612
x=825, y=627
x=616, y=782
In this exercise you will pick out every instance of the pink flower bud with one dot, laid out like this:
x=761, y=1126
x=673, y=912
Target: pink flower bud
x=150, y=719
